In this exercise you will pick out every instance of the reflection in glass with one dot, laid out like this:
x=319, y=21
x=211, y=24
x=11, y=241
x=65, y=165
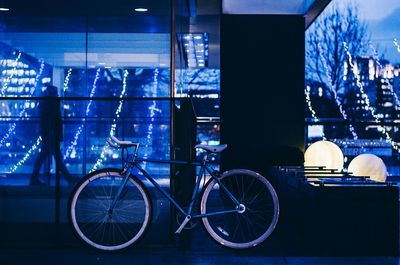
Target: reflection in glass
x=352, y=81
x=129, y=73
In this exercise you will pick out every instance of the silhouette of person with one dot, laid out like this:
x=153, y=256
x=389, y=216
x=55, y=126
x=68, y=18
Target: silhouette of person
x=51, y=133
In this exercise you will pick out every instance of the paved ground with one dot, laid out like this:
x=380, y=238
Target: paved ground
x=203, y=252
x=167, y=255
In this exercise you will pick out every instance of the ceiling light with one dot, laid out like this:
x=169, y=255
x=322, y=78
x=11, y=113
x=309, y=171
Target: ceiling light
x=141, y=9
x=4, y=9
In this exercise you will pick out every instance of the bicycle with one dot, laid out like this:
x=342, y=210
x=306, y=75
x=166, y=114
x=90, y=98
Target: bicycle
x=111, y=209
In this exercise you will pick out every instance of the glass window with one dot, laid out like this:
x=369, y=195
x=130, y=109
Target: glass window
x=72, y=74
x=111, y=76
x=198, y=71
x=353, y=81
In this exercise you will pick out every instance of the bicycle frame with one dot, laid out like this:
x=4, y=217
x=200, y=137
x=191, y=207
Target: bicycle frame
x=238, y=208
x=204, y=168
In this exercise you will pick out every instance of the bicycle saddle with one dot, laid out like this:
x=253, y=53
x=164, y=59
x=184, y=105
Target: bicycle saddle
x=212, y=148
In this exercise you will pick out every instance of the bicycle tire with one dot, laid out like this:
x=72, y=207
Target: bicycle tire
x=248, y=228
x=91, y=219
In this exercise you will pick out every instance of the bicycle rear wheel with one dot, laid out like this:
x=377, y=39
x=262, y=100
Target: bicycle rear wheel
x=254, y=220
x=92, y=220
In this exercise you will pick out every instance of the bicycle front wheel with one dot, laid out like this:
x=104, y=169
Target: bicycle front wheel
x=96, y=223
x=254, y=219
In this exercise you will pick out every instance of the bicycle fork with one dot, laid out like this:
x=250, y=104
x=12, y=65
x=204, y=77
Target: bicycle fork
x=119, y=192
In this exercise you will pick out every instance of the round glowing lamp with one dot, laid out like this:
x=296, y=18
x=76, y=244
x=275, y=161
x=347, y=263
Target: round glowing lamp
x=324, y=153
x=368, y=165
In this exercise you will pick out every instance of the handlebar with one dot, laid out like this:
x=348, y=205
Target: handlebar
x=116, y=143
x=112, y=144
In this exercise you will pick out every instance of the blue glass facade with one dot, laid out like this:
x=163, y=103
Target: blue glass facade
x=110, y=79
x=112, y=71
x=112, y=75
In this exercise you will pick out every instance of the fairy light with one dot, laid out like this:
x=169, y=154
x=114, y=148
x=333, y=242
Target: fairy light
x=8, y=134
x=366, y=98
x=396, y=43
x=26, y=157
x=338, y=103
x=313, y=114
x=39, y=139
x=308, y=100
x=358, y=80
x=153, y=109
x=5, y=85
x=106, y=147
x=23, y=111
x=66, y=80
x=80, y=128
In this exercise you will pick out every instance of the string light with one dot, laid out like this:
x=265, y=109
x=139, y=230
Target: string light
x=313, y=114
x=30, y=151
x=38, y=141
x=26, y=157
x=308, y=100
x=153, y=109
x=66, y=80
x=5, y=85
x=396, y=43
x=338, y=103
x=8, y=134
x=366, y=98
x=23, y=111
x=106, y=147
x=80, y=128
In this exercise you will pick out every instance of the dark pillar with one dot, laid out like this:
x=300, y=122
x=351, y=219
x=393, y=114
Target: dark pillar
x=262, y=98
x=183, y=177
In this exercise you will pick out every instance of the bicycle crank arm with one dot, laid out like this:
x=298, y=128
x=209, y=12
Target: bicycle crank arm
x=187, y=219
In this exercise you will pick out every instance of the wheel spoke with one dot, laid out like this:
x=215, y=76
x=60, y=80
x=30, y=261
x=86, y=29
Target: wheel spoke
x=249, y=227
x=106, y=230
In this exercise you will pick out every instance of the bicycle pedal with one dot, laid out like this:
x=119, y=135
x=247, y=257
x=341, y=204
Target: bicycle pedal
x=180, y=228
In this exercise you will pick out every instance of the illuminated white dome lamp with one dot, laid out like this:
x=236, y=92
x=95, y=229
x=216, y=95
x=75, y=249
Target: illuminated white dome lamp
x=324, y=154
x=327, y=154
x=368, y=165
